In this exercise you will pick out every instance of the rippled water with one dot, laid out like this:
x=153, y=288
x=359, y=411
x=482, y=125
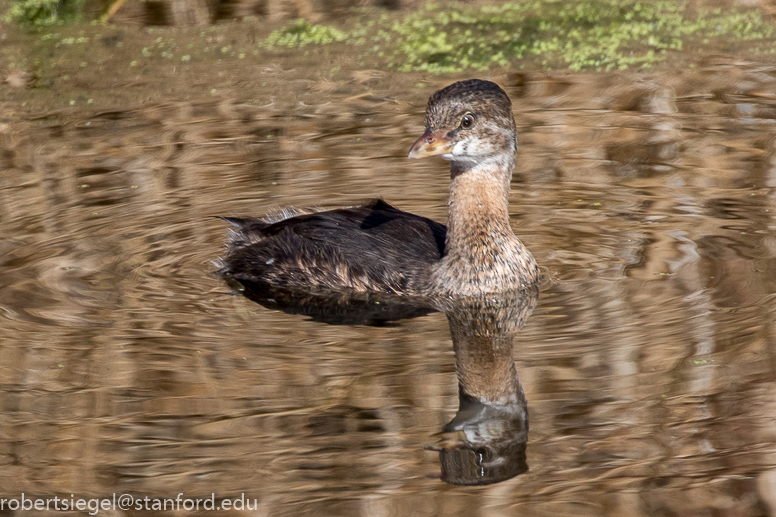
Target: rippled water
x=648, y=363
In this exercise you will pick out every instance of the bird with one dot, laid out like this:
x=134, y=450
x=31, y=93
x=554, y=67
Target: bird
x=377, y=247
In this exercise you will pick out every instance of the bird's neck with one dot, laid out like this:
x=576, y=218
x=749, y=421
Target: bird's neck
x=478, y=210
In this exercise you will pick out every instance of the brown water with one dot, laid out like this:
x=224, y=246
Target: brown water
x=648, y=363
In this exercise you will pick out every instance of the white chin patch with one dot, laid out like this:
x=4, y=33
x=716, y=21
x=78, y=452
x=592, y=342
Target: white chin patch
x=447, y=156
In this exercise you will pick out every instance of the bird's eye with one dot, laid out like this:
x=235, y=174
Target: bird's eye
x=467, y=121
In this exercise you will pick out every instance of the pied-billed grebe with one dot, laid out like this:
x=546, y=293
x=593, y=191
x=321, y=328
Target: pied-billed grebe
x=377, y=247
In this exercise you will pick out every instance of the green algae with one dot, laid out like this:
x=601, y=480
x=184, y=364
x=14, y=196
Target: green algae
x=42, y=12
x=534, y=34
x=301, y=33
x=577, y=35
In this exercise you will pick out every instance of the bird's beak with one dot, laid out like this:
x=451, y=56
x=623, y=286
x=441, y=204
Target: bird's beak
x=431, y=143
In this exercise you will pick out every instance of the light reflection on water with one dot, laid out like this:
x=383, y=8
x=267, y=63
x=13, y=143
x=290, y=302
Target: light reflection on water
x=648, y=363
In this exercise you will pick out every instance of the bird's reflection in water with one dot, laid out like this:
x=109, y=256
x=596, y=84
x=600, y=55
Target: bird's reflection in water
x=486, y=440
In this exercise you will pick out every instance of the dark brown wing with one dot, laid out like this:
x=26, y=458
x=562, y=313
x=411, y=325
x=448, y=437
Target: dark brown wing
x=374, y=247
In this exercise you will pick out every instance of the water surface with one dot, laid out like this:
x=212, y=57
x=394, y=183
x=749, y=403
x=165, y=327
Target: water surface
x=647, y=364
